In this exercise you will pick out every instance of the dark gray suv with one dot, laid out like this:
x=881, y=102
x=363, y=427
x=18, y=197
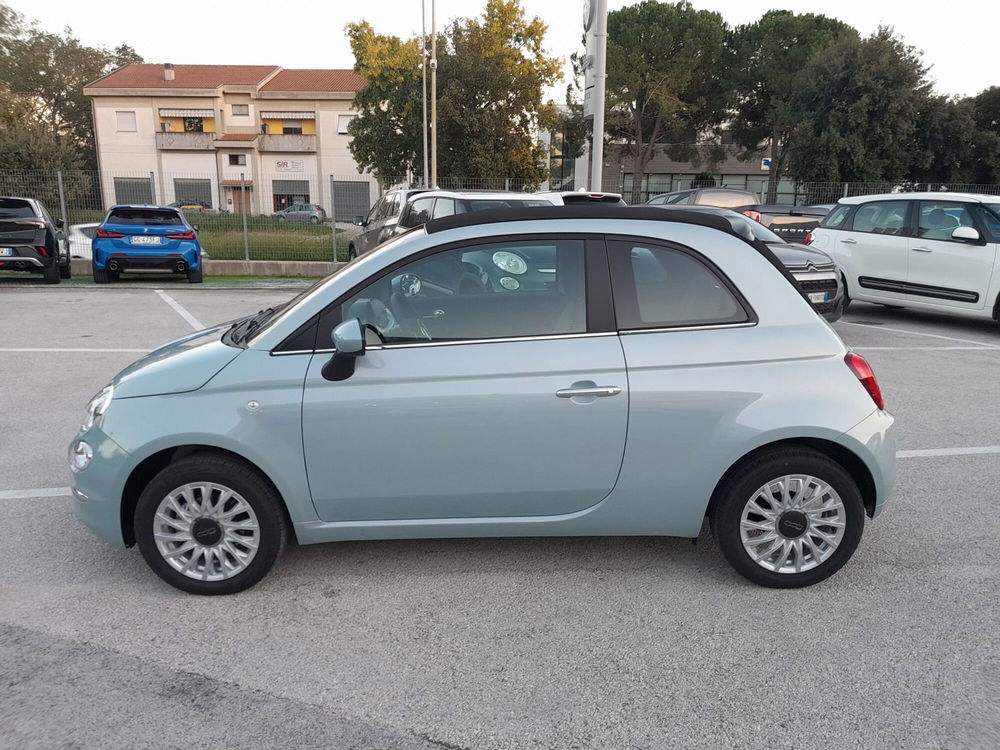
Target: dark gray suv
x=31, y=240
x=380, y=224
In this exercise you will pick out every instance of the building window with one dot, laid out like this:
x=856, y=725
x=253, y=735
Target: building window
x=241, y=109
x=342, y=122
x=237, y=160
x=126, y=122
x=194, y=125
x=291, y=127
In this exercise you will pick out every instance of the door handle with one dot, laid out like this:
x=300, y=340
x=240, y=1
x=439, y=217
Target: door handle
x=922, y=250
x=597, y=390
x=849, y=242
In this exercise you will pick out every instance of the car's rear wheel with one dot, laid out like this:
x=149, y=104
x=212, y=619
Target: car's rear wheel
x=788, y=518
x=314, y=219
x=194, y=275
x=50, y=274
x=352, y=252
x=66, y=272
x=101, y=276
x=209, y=524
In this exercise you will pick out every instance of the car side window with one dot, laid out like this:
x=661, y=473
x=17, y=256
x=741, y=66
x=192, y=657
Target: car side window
x=528, y=287
x=662, y=287
x=936, y=220
x=444, y=207
x=882, y=217
x=417, y=213
x=392, y=211
x=990, y=217
x=375, y=210
x=657, y=201
x=835, y=219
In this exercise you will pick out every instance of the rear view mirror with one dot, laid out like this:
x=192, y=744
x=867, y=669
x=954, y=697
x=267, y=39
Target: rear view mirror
x=965, y=234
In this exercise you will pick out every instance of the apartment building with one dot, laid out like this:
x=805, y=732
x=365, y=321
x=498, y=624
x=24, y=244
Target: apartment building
x=241, y=138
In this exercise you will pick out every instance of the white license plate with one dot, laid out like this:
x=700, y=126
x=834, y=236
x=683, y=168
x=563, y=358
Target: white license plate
x=6, y=251
x=819, y=296
x=145, y=240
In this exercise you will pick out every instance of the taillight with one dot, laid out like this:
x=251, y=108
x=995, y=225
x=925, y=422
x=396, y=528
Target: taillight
x=181, y=236
x=42, y=251
x=809, y=239
x=863, y=371
x=755, y=215
x=104, y=234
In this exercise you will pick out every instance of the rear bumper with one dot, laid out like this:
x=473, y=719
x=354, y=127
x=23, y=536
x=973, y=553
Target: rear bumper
x=175, y=261
x=25, y=258
x=873, y=440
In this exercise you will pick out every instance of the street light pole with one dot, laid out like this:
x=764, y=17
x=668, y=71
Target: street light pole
x=423, y=69
x=434, y=105
x=600, y=33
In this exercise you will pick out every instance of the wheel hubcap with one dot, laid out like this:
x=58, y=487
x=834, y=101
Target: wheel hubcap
x=793, y=523
x=206, y=531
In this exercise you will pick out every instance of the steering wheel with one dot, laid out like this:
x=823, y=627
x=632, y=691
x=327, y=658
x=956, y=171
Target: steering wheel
x=412, y=324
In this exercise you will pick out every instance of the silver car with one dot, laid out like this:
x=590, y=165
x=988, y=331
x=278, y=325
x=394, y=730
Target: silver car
x=611, y=371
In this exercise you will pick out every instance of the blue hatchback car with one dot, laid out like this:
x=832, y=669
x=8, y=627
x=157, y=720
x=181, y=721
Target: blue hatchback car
x=146, y=237
x=553, y=371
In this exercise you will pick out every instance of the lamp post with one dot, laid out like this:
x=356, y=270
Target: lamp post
x=434, y=106
x=423, y=70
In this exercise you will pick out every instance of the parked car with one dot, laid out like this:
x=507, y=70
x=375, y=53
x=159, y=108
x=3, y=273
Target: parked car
x=791, y=223
x=666, y=371
x=191, y=206
x=572, y=197
x=380, y=223
x=814, y=271
x=303, y=212
x=723, y=197
x=145, y=238
x=31, y=240
x=81, y=237
x=931, y=251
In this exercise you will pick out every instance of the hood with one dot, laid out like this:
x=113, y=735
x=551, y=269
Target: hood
x=185, y=364
x=800, y=256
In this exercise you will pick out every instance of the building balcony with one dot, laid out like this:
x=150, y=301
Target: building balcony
x=185, y=141
x=287, y=143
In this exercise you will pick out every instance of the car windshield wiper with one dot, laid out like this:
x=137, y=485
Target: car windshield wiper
x=245, y=328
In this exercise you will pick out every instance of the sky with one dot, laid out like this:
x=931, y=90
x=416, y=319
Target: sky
x=958, y=39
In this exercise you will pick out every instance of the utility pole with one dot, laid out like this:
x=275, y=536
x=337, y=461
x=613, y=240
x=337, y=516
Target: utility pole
x=423, y=69
x=595, y=24
x=434, y=103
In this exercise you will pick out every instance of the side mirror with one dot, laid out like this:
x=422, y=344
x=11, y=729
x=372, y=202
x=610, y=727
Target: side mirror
x=60, y=223
x=195, y=228
x=965, y=234
x=358, y=221
x=349, y=341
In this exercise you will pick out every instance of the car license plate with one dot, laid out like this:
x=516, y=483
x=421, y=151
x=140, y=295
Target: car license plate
x=819, y=296
x=6, y=251
x=145, y=240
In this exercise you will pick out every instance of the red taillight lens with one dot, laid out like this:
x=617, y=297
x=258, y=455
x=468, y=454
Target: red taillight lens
x=755, y=215
x=809, y=239
x=104, y=234
x=42, y=251
x=863, y=371
x=181, y=236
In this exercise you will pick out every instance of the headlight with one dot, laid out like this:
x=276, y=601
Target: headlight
x=97, y=406
x=509, y=262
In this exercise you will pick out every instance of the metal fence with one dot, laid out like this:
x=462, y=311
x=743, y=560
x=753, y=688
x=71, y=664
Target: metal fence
x=249, y=216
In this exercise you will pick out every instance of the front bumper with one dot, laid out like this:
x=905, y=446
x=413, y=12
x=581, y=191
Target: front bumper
x=98, y=488
x=827, y=284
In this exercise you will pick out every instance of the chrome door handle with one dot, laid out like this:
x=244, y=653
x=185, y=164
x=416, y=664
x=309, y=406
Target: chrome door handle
x=922, y=250
x=849, y=242
x=597, y=390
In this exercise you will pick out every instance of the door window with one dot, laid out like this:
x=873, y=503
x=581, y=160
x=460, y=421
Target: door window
x=660, y=287
x=487, y=291
x=882, y=217
x=990, y=217
x=938, y=219
x=376, y=209
x=835, y=219
x=417, y=213
x=444, y=207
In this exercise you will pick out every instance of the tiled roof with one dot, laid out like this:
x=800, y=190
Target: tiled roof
x=237, y=137
x=150, y=75
x=315, y=80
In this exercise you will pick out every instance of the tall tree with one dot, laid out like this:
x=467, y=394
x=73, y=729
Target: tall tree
x=861, y=100
x=986, y=139
x=944, y=141
x=773, y=53
x=666, y=67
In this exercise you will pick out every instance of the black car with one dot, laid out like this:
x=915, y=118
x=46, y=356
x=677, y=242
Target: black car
x=815, y=271
x=31, y=240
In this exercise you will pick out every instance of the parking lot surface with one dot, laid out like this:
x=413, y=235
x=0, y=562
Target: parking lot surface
x=509, y=643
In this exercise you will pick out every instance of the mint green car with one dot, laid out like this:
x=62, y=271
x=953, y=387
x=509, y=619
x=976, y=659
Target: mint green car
x=550, y=371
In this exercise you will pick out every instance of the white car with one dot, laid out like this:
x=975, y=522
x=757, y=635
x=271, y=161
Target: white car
x=931, y=251
x=80, y=238
x=573, y=197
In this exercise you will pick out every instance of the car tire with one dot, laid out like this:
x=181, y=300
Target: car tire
x=101, y=276
x=66, y=272
x=194, y=275
x=847, y=297
x=213, y=497
x=50, y=274
x=757, y=521
x=314, y=220
x=352, y=252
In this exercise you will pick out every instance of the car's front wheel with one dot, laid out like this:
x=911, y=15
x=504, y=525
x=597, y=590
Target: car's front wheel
x=788, y=518
x=66, y=271
x=209, y=524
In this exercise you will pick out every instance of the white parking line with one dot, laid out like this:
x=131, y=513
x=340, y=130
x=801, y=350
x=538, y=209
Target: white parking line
x=919, y=333
x=925, y=453
x=55, y=349
x=188, y=317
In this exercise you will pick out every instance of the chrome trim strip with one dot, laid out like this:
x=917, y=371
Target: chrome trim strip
x=463, y=342
x=20, y=259
x=634, y=331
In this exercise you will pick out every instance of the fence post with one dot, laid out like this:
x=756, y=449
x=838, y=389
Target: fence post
x=333, y=217
x=62, y=200
x=243, y=212
x=845, y=189
x=152, y=187
x=506, y=184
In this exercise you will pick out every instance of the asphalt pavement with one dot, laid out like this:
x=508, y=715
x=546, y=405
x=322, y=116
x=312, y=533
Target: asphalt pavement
x=509, y=643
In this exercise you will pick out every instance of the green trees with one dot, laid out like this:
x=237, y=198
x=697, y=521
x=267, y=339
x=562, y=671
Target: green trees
x=491, y=72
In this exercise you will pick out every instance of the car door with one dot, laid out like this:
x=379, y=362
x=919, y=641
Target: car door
x=485, y=403
x=874, y=250
x=947, y=271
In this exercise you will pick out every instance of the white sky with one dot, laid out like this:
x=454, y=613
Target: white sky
x=959, y=39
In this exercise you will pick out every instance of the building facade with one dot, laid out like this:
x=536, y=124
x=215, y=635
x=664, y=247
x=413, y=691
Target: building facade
x=239, y=138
